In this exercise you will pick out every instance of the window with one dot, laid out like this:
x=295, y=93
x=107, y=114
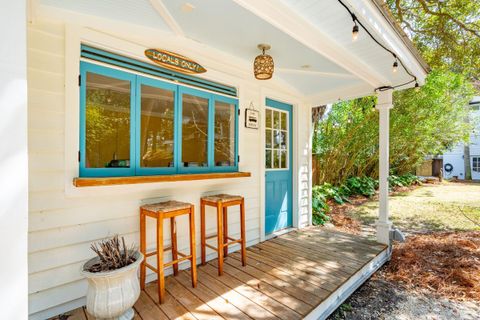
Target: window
x=276, y=139
x=476, y=164
x=135, y=125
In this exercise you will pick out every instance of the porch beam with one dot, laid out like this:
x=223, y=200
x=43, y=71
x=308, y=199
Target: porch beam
x=283, y=18
x=167, y=17
x=384, y=104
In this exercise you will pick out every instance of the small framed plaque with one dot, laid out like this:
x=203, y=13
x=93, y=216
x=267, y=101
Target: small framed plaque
x=251, y=119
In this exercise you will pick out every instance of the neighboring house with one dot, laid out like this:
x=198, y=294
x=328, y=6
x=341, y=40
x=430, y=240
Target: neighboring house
x=454, y=159
x=101, y=116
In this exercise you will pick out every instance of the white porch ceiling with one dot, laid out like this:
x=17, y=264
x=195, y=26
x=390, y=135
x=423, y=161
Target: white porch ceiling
x=232, y=27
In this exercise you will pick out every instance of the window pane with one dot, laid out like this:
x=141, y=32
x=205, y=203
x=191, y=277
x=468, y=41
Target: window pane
x=284, y=121
x=284, y=159
x=277, y=138
x=276, y=159
x=156, y=134
x=224, y=134
x=276, y=119
x=268, y=138
x=268, y=118
x=268, y=159
x=107, y=116
x=194, y=131
x=283, y=139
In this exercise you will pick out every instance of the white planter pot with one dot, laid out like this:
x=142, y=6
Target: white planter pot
x=112, y=294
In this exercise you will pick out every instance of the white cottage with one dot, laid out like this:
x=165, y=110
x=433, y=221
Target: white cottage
x=106, y=107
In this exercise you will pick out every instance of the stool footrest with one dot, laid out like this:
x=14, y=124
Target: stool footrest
x=149, y=266
x=232, y=241
x=168, y=264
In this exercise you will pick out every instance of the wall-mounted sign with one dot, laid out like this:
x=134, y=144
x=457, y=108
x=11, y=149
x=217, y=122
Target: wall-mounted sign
x=174, y=61
x=251, y=119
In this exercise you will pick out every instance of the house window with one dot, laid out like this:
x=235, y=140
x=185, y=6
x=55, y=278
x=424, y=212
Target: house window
x=135, y=125
x=476, y=164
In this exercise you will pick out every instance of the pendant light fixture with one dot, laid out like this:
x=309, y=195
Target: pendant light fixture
x=263, y=65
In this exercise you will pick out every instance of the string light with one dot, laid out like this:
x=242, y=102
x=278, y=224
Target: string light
x=355, y=28
x=397, y=61
x=395, y=65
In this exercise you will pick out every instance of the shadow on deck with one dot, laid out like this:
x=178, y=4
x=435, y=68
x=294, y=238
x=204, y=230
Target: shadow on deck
x=305, y=273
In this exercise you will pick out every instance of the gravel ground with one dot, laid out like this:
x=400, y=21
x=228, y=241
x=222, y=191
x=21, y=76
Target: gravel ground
x=379, y=299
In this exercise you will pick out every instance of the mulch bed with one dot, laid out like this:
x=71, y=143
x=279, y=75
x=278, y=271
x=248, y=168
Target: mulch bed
x=343, y=222
x=446, y=263
x=443, y=263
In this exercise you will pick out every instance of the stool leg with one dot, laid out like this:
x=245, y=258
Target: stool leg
x=225, y=231
x=202, y=231
x=193, y=258
x=173, y=236
x=242, y=232
x=143, y=248
x=161, y=274
x=220, y=237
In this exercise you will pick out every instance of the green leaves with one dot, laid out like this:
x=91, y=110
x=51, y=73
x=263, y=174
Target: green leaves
x=447, y=33
x=326, y=193
x=423, y=122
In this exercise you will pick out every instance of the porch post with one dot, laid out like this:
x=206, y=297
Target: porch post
x=13, y=161
x=384, y=104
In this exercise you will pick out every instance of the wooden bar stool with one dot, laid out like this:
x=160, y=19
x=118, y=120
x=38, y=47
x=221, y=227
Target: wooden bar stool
x=160, y=211
x=222, y=202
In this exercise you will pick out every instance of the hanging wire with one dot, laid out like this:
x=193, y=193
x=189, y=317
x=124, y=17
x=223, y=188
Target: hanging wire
x=355, y=20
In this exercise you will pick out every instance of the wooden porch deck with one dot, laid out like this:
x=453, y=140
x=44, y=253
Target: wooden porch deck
x=286, y=278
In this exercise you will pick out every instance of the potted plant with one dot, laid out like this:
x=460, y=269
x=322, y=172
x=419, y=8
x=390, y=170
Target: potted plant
x=113, y=285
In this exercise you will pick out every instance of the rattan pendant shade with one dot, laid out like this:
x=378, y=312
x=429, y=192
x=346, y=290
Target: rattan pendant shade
x=263, y=66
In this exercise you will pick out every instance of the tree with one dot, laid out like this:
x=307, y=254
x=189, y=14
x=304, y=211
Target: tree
x=447, y=32
x=423, y=122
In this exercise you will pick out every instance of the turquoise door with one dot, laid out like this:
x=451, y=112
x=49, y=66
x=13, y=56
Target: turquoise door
x=278, y=166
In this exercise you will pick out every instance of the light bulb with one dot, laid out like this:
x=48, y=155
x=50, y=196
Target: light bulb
x=395, y=66
x=355, y=32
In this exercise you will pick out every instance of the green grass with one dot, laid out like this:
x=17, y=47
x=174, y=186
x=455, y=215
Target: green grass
x=429, y=208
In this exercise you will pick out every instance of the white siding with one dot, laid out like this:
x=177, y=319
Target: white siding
x=62, y=226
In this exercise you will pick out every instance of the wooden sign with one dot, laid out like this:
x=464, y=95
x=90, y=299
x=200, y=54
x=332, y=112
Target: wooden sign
x=251, y=119
x=174, y=61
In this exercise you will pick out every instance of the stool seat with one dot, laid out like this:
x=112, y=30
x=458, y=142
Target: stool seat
x=166, y=206
x=222, y=198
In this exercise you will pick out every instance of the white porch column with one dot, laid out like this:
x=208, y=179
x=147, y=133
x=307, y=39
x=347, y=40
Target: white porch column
x=384, y=104
x=13, y=161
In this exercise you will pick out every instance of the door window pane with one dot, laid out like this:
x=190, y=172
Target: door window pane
x=277, y=139
x=224, y=134
x=276, y=159
x=276, y=119
x=284, y=121
x=283, y=159
x=107, y=121
x=194, y=131
x=157, y=127
x=268, y=118
x=268, y=138
x=268, y=159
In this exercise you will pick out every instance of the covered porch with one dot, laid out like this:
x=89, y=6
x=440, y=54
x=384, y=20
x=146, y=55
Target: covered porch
x=306, y=273
x=60, y=203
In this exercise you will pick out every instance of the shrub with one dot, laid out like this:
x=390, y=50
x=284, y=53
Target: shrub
x=403, y=181
x=364, y=186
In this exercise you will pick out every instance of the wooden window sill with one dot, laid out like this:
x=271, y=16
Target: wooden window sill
x=110, y=181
